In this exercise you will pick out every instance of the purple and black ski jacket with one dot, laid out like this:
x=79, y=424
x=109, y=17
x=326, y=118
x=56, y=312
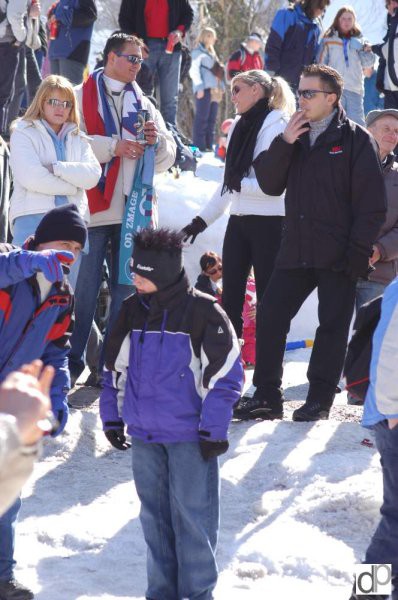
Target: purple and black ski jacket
x=173, y=368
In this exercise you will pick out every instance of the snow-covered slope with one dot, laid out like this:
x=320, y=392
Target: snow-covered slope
x=299, y=504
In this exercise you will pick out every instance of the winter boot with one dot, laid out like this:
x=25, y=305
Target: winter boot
x=257, y=407
x=312, y=411
x=13, y=590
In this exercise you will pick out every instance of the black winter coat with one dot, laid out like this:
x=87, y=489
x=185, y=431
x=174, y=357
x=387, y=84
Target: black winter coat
x=389, y=38
x=131, y=17
x=335, y=197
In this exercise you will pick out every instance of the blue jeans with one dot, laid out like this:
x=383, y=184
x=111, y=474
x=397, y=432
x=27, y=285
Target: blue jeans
x=167, y=68
x=87, y=288
x=71, y=69
x=179, y=494
x=366, y=291
x=204, y=122
x=383, y=547
x=353, y=105
x=7, y=540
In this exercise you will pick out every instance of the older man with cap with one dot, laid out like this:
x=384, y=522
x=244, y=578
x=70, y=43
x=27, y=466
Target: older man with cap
x=383, y=125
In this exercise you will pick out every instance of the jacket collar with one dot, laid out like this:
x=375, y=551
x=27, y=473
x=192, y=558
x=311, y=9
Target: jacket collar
x=302, y=16
x=388, y=164
x=332, y=133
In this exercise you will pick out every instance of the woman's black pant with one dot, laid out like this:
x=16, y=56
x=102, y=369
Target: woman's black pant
x=250, y=241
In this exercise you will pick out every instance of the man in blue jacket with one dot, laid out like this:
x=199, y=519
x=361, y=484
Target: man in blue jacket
x=174, y=375
x=381, y=415
x=293, y=41
x=36, y=317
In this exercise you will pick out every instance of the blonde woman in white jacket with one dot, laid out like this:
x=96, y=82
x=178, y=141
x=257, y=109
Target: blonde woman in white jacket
x=51, y=160
x=264, y=105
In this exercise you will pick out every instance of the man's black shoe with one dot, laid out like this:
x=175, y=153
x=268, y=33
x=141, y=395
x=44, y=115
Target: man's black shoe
x=311, y=411
x=257, y=407
x=13, y=590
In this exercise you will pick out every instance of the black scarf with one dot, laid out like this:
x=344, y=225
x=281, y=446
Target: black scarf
x=241, y=146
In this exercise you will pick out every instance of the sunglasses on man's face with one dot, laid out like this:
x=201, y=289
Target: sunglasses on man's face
x=215, y=270
x=132, y=58
x=55, y=103
x=310, y=94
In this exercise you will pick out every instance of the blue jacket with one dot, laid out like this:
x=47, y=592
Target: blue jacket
x=382, y=397
x=30, y=329
x=174, y=368
x=293, y=43
x=75, y=27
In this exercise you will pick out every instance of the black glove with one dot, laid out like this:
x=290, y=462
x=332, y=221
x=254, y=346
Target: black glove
x=196, y=226
x=210, y=450
x=357, y=265
x=117, y=438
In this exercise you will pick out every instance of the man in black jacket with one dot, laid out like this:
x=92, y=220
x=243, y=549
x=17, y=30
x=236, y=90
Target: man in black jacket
x=387, y=73
x=162, y=25
x=335, y=205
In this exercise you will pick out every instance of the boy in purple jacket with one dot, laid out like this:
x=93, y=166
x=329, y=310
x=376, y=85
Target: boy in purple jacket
x=173, y=373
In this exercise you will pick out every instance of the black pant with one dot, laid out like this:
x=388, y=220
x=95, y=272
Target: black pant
x=286, y=292
x=250, y=241
x=10, y=57
x=390, y=99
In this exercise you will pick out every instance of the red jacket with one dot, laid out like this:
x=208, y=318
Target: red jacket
x=242, y=60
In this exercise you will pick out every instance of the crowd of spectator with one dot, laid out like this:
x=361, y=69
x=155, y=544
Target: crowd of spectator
x=309, y=182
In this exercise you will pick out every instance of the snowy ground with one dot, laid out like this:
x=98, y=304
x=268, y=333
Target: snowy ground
x=299, y=501
x=299, y=504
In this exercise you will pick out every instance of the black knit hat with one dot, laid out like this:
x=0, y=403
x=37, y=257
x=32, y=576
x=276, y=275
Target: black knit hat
x=62, y=223
x=157, y=256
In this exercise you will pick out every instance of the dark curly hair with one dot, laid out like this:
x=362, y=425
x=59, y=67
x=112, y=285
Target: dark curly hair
x=163, y=239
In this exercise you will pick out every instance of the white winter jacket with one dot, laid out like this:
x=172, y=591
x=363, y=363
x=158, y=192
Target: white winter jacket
x=351, y=66
x=104, y=146
x=250, y=200
x=13, y=27
x=35, y=187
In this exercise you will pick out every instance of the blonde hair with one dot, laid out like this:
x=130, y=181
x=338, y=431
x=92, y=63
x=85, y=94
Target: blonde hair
x=204, y=35
x=49, y=85
x=276, y=89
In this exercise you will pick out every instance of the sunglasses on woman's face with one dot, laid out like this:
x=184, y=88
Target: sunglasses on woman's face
x=55, y=103
x=215, y=270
